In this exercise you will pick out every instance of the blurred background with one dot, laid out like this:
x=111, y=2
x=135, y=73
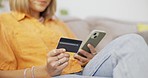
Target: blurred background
x=116, y=17
x=129, y=10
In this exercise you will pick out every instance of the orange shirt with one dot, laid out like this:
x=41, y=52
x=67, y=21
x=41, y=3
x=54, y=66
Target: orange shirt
x=25, y=42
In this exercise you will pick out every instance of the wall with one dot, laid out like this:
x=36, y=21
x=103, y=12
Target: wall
x=5, y=8
x=131, y=10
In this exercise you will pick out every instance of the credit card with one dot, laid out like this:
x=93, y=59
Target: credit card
x=71, y=45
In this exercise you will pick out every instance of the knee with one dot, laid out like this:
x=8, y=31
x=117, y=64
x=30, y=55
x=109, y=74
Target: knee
x=129, y=40
x=132, y=38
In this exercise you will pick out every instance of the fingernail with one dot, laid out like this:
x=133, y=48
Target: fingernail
x=64, y=49
x=75, y=55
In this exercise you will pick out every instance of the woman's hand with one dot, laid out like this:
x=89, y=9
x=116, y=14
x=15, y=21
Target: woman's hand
x=88, y=56
x=57, y=61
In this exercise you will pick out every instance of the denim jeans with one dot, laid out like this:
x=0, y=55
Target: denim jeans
x=124, y=57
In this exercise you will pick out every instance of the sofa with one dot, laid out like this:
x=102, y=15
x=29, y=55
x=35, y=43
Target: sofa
x=113, y=28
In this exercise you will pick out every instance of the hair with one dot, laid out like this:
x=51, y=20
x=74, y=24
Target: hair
x=23, y=7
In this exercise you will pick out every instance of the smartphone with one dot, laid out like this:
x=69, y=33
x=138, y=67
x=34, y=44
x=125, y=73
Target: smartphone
x=94, y=38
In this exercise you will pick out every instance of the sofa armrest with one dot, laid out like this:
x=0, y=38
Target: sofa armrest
x=144, y=34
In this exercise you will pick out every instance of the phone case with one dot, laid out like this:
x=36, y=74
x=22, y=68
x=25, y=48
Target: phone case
x=94, y=38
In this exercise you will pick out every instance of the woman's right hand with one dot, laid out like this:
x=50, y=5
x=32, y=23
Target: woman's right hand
x=57, y=61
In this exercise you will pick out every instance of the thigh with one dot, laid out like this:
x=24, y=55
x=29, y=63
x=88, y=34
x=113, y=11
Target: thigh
x=109, y=62
x=132, y=58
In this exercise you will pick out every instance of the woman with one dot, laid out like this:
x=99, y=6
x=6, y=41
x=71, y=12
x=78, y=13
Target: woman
x=29, y=36
x=28, y=33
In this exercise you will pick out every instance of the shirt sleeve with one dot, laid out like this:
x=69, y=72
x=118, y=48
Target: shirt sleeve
x=7, y=58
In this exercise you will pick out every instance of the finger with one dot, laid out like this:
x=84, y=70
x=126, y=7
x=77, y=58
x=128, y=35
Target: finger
x=80, y=58
x=86, y=54
x=60, y=56
x=56, y=52
x=53, y=64
x=63, y=60
x=59, y=62
x=82, y=64
x=63, y=55
x=92, y=49
x=51, y=59
x=67, y=55
x=61, y=67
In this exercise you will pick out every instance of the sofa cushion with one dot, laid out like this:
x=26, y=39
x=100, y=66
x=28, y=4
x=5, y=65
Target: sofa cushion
x=80, y=28
x=77, y=25
x=118, y=27
x=144, y=34
x=142, y=27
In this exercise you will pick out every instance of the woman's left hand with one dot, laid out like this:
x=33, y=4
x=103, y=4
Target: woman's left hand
x=88, y=56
